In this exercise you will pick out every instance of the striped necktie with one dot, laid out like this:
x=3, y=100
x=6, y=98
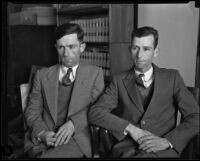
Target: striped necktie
x=66, y=80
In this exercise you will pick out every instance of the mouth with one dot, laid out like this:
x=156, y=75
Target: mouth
x=67, y=59
x=140, y=61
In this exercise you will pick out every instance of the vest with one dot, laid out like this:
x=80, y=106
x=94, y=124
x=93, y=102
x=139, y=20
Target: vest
x=145, y=95
x=64, y=97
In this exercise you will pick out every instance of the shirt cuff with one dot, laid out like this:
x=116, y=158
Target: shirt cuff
x=125, y=131
x=170, y=145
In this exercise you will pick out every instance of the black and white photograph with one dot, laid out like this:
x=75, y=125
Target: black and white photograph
x=102, y=80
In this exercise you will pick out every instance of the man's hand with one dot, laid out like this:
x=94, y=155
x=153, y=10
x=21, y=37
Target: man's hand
x=152, y=143
x=48, y=137
x=136, y=132
x=64, y=133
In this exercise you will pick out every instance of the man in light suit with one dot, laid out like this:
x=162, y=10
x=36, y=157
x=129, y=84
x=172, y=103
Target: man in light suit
x=61, y=95
x=149, y=98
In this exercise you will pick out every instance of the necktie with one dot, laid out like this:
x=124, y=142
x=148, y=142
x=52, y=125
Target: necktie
x=139, y=80
x=66, y=79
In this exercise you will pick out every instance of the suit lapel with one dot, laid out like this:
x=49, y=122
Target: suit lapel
x=158, y=82
x=129, y=83
x=51, y=90
x=79, y=89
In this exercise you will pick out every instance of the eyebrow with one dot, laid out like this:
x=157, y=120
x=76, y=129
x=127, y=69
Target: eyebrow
x=148, y=47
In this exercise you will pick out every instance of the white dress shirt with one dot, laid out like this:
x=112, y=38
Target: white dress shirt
x=147, y=78
x=63, y=71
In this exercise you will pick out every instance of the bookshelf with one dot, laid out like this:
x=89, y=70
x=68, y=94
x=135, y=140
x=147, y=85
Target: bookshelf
x=107, y=30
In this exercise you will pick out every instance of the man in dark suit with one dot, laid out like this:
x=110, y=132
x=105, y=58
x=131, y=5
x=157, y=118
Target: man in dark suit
x=57, y=109
x=149, y=98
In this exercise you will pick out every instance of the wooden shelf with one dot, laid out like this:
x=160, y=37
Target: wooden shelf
x=97, y=43
x=87, y=8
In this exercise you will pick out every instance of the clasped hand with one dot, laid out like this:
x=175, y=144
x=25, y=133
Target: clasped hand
x=147, y=141
x=62, y=136
x=152, y=143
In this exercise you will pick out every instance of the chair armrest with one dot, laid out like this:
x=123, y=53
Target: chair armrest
x=192, y=149
x=102, y=141
x=94, y=130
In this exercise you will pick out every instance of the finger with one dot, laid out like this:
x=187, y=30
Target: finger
x=68, y=138
x=50, y=144
x=145, y=138
x=147, y=147
x=58, y=132
x=58, y=138
x=151, y=149
x=53, y=140
x=64, y=136
x=145, y=144
x=51, y=134
x=50, y=141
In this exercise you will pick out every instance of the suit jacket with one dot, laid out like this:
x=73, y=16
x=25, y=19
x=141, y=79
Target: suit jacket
x=169, y=94
x=41, y=113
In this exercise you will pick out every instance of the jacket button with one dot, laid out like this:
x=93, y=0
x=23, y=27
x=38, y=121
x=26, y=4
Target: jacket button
x=143, y=122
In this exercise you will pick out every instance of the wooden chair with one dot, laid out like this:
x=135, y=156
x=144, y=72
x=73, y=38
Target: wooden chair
x=103, y=139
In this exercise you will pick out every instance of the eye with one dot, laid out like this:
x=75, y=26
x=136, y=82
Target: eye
x=147, y=49
x=72, y=46
x=134, y=47
x=60, y=47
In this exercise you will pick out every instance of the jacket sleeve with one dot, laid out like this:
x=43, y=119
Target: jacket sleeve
x=187, y=105
x=80, y=119
x=33, y=113
x=99, y=114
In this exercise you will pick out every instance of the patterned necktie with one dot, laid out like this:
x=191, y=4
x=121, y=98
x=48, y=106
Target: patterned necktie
x=66, y=79
x=139, y=80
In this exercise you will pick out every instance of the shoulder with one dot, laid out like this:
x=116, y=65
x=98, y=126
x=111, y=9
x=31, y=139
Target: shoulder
x=90, y=68
x=125, y=74
x=166, y=71
x=46, y=70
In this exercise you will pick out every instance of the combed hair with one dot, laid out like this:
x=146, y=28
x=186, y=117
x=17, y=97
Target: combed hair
x=146, y=31
x=69, y=28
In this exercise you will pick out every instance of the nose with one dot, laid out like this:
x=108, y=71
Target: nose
x=139, y=53
x=66, y=52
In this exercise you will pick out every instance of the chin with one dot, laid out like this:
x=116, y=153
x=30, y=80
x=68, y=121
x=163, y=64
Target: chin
x=67, y=65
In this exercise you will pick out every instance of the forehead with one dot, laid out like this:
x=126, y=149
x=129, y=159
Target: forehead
x=144, y=41
x=71, y=38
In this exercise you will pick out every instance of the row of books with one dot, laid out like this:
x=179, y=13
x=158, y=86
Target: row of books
x=97, y=57
x=95, y=29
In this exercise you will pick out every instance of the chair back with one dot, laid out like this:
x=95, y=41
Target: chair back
x=24, y=91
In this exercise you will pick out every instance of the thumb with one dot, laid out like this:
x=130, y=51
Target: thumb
x=51, y=133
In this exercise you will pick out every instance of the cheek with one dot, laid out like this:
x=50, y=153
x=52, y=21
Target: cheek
x=133, y=54
x=60, y=54
x=75, y=55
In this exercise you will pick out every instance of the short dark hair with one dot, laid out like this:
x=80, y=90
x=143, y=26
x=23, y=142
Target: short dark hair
x=69, y=28
x=146, y=31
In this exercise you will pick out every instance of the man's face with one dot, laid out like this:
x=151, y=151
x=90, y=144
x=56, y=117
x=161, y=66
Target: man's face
x=143, y=52
x=69, y=49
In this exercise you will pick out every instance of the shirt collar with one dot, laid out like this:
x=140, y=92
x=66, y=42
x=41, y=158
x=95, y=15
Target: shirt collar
x=147, y=75
x=63, y=71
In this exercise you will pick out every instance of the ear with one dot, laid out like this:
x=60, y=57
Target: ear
x=156, y=52
x=82, y=48
x=55, y=45
x=129, y=48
